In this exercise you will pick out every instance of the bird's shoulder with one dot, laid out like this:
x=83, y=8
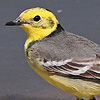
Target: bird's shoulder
x=67, y=53
x=66, y=45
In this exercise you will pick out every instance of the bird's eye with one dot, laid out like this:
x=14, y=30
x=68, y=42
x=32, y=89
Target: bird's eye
x=37, y=18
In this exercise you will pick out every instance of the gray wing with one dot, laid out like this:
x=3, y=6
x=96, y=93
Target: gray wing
x=67, y=53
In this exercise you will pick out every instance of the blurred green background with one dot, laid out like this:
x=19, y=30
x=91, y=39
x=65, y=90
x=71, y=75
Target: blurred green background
x=17, y=80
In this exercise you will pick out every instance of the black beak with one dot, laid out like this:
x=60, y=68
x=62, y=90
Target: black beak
x=15, y=23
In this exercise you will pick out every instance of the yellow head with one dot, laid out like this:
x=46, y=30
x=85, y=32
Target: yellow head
x=37, y=22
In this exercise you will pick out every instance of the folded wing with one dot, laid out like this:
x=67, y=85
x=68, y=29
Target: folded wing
x=85, y=68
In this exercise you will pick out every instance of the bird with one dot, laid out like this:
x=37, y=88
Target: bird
x=65, y=60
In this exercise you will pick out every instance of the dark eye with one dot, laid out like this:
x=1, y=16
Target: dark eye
x=37, y=18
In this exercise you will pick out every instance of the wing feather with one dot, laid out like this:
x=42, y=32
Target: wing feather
x=67, y=54
x=88, y=69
